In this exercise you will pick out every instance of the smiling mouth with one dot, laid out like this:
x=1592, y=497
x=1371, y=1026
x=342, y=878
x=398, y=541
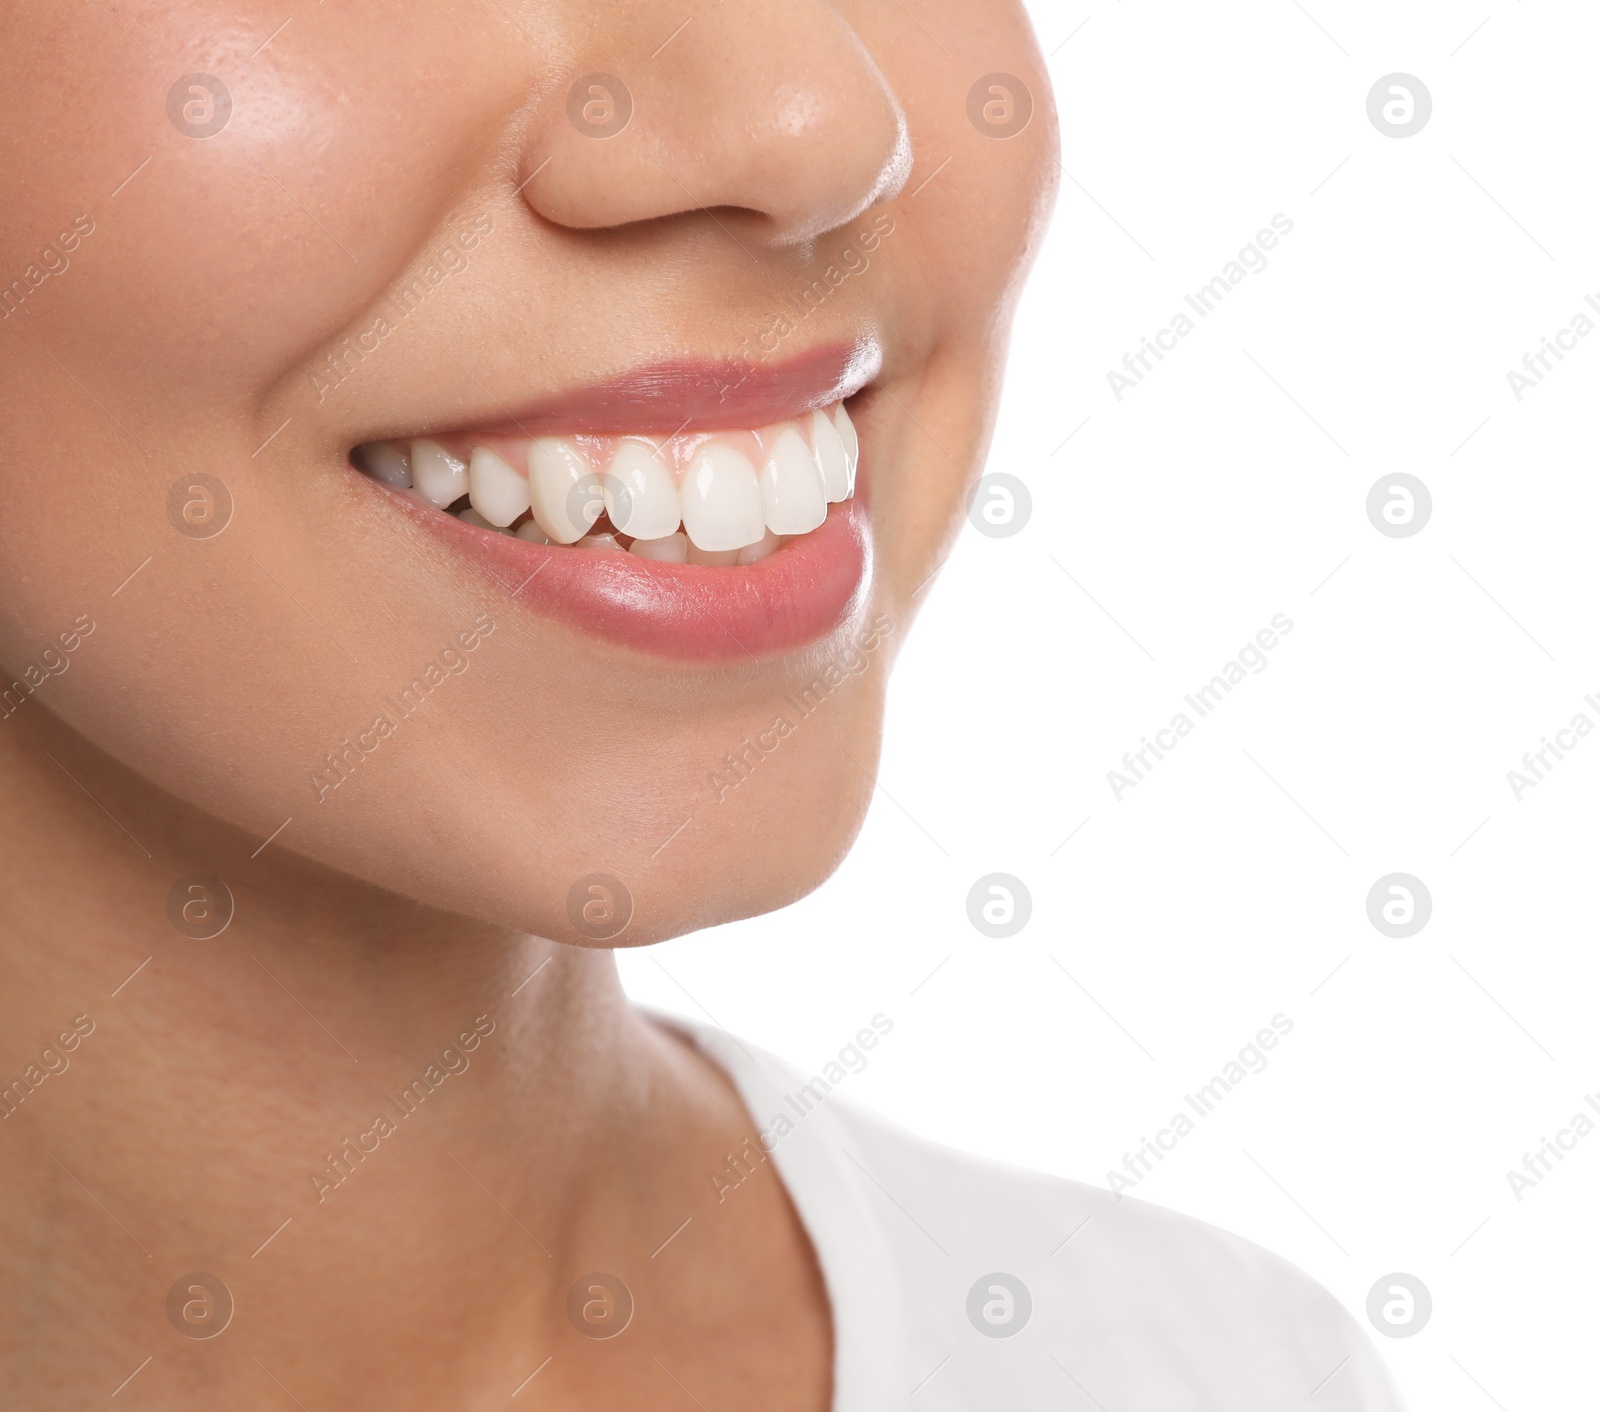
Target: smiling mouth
x=725, y=498
x=689, y=509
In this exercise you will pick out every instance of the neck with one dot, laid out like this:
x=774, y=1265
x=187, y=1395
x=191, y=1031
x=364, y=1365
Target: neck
x=305, y=1105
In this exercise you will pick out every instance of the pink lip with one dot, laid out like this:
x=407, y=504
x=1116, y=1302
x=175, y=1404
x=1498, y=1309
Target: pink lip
x=689, y=611
x=697, y=395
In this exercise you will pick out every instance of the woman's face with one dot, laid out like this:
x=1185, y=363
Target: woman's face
x=634, y=246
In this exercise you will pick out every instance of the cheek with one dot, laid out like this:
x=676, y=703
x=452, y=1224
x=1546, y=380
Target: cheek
x=997, y=123
x=212, y=265
x=227, y=257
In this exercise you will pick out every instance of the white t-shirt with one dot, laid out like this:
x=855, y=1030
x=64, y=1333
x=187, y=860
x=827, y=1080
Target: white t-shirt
x=1078, y=1299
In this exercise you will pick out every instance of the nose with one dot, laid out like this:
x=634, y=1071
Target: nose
x=770, y=107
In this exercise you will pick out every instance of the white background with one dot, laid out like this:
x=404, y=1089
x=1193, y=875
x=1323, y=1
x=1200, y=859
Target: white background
x=1230, y=885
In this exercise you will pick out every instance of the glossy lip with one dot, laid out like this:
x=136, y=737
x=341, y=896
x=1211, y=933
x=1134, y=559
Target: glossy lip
x=690, y=395
x=691, y=612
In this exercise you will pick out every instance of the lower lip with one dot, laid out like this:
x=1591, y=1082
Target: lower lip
x=690, y=612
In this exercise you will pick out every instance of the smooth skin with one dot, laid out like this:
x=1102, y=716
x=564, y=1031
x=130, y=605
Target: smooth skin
x=378, y=925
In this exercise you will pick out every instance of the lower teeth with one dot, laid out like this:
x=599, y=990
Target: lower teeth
x=676, y=548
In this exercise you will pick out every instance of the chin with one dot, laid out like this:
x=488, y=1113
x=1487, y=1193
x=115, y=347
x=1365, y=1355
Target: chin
x=648, y=832
x=762, y=817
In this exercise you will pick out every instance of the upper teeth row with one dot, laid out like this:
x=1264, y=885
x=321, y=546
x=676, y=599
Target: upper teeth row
x=726, y=489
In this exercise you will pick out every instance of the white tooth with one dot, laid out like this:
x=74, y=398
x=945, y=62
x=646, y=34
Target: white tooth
x=603, y=542
x=852, y=444
x=441, y=477
x=387, y=463
x=716, y=558
x=469, y=516
x=721, y=499
x=641, y=494
x=498, y=493
x=754, y=553
x=831, y=458
x=674, y=549
x=791, y=489
x=564, y=490
x=530, y=531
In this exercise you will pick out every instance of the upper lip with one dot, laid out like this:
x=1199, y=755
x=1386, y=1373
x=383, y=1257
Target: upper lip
x=689, y=394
